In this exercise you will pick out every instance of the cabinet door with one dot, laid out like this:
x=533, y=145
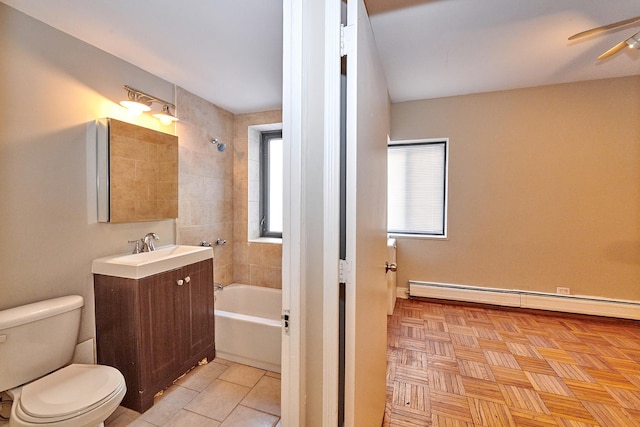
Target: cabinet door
x=197, y=311
x=159, y=324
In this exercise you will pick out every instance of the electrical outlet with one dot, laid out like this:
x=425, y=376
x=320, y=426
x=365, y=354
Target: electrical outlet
x=563, y=291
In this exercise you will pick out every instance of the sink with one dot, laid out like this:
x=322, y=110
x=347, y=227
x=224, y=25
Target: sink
x=137, y=266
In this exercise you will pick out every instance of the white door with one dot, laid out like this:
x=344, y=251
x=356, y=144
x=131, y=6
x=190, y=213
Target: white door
x=367, y=129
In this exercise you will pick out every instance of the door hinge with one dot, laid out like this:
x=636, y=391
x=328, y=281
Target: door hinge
x=285, y=321
x=344, y=271
x=347, y=39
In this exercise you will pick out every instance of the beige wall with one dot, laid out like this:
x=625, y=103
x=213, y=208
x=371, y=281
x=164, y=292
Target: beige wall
x=254, y=263
x=52, y=89
x=206, y=179
x=544, y=189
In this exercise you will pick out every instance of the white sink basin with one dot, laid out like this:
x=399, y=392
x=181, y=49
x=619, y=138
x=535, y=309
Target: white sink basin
x=137, y=266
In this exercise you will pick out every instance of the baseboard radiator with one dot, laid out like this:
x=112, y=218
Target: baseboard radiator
x=527, y=299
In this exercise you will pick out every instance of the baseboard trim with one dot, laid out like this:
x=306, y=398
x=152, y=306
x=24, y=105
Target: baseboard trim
x=578, y=304
x=402, y=292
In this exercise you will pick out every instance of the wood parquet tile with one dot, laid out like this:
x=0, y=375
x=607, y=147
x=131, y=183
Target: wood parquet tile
x=451, y=365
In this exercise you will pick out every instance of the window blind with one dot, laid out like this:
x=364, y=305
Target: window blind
x=417, y=188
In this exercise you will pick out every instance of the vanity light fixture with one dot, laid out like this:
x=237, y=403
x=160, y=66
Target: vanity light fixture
x=165, y=116
x=138, y=102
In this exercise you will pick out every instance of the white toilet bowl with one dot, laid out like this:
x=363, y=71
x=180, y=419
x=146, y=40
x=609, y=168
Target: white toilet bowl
x=74, y=396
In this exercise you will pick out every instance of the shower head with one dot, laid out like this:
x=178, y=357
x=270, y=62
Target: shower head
x=221, y=146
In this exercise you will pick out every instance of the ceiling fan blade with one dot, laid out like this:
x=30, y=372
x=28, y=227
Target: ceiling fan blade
x=617, y=48
x=605, y=28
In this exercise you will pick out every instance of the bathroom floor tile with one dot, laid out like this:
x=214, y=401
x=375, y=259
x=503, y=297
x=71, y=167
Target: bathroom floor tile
x=201, y=376
x=218, y=399
x=247, y=417
x=265, y=396
x=121, y=417
x=165, y=406
x=138, y=422
x=190, y=419
x=243, y=375
x=223, y=361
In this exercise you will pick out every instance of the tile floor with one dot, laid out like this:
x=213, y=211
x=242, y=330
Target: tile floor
x=220, y=393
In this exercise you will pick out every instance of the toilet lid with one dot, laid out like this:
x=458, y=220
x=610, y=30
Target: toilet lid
x=70, y=390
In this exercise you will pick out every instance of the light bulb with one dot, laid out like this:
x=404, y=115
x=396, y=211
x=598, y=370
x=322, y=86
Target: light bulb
x=135, y=104
x=165, y=116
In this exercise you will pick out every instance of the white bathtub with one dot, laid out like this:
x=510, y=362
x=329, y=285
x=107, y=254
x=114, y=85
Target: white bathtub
x=248, y=327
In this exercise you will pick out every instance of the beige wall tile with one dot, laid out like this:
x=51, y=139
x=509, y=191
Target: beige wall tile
x=256, y=253
x=272, y=255
x=206, y=179
x=241, y=273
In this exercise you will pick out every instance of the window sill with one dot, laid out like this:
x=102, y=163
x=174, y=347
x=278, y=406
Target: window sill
x=272, y=240
x=416, y=236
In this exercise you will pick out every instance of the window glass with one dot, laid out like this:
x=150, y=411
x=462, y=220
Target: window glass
x=271, y=183
x=417, y=188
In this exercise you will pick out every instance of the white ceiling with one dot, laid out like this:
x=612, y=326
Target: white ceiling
x=453, y=47
x=229, y=51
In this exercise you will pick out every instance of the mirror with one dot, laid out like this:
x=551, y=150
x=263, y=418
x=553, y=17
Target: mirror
x=137, y=173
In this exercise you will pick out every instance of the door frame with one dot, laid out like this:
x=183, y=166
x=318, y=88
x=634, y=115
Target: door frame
x=331, y=195
x=295, y=66
x=293, y=342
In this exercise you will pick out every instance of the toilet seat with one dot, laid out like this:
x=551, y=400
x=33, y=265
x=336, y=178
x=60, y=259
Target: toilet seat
x=69, y=393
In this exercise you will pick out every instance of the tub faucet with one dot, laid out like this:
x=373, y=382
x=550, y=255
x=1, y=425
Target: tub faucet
x=218, y=287
x=147, y=242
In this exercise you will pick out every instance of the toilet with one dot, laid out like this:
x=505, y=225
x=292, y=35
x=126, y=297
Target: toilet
x=37, y=342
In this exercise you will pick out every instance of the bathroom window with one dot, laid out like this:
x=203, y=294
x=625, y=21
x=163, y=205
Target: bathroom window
x=417, y=188
x=271, y=184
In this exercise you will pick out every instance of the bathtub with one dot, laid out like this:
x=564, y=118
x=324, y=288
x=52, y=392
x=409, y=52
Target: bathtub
x=248, y=327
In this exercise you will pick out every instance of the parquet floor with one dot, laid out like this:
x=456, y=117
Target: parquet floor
x=465, y=365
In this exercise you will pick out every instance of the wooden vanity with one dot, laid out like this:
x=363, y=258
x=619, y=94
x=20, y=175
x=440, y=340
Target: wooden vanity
x=156, y=328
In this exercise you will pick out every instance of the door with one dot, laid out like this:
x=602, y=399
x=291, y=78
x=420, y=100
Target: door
x=367, y=128
x=197, y=323
x=159, y=317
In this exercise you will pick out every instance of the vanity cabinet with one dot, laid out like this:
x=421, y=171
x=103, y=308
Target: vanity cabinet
x=156, y=328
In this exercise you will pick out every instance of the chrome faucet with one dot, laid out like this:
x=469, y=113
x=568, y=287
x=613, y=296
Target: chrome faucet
x=147, y=242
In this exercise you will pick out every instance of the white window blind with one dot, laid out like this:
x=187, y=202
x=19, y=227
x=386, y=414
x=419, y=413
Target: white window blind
x=417, y=188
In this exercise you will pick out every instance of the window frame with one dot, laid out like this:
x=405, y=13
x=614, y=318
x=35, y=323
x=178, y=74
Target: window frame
x=265, y=188
x=445, y=183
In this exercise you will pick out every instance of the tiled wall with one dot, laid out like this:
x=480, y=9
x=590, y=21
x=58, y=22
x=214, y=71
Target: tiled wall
x=213, y=190
x=206, y=179
x=253, y=263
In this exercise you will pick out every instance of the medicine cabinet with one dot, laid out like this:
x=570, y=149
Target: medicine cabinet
x=137, y=173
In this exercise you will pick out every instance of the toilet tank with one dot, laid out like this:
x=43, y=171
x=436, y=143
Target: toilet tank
x=37, y=338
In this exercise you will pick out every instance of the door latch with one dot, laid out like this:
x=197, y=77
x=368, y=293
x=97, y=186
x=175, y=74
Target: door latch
x=285, y=321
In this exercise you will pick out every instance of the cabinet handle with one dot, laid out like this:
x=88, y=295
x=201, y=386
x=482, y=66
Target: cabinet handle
x=187, y=279
x=180, y=282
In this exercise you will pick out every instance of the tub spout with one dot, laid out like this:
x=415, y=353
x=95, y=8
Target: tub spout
x=218, y=287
